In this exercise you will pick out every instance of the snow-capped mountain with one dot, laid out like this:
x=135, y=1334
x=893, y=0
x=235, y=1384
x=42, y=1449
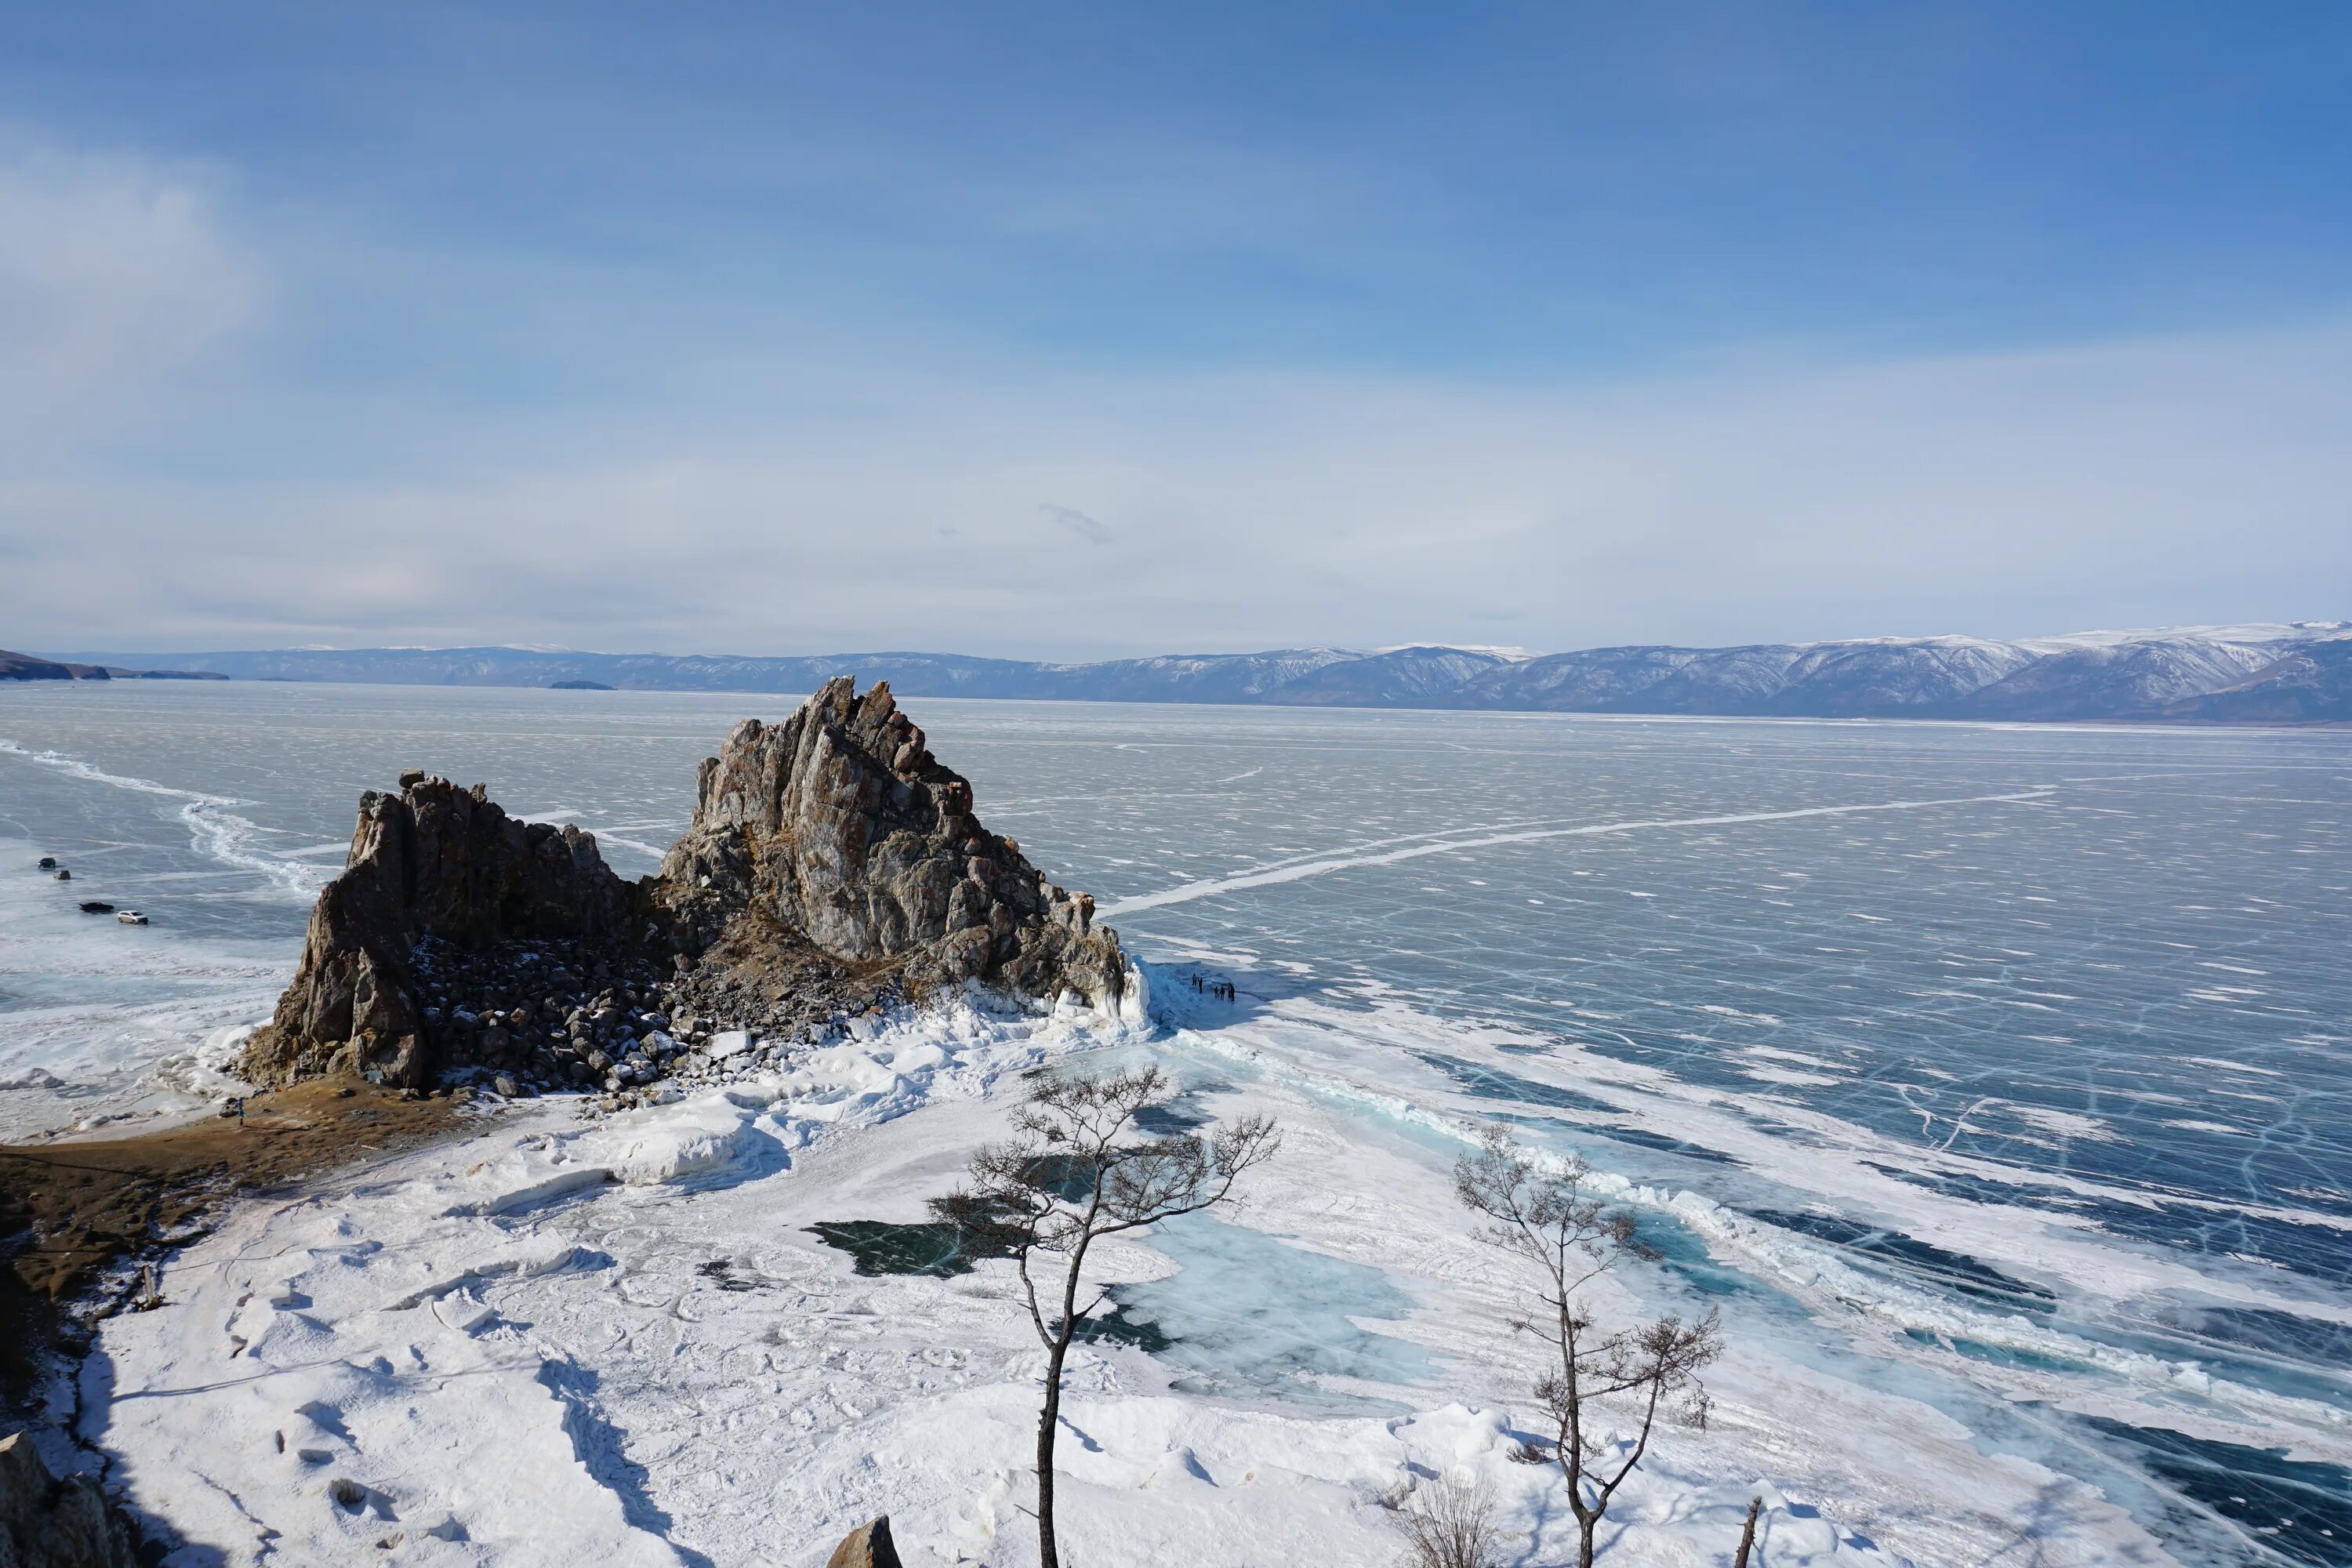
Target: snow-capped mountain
x=2311, y=684
x=2090, y=675
x=1190, y=678
x=2297, y=673
x=1395, y=677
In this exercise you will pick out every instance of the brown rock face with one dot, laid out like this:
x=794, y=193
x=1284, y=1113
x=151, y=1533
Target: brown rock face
x=827, y=849
x=839, y=826
x=432, y=861
x=49, y=1523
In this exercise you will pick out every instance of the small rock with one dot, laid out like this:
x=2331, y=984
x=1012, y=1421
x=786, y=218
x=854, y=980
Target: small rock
x=867, y=1546
x=505, y=1086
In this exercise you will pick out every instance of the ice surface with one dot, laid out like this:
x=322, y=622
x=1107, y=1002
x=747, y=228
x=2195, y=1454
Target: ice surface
x=2072, y=1018
x=1248, y=1314
x=430, y=1329
x=99, y=1019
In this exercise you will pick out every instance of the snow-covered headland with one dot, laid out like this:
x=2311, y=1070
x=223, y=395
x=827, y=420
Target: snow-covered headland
x=553, y=1339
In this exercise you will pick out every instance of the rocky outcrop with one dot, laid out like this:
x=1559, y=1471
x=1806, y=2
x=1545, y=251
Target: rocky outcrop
x=832, y=865
x=49, y=1523
x=840, y=826
x=867, y=1546
x=433, y=862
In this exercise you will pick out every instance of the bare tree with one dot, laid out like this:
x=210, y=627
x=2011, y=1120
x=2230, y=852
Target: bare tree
x=1071, y=1174
x=1546, y=1217
x=1451, y=1525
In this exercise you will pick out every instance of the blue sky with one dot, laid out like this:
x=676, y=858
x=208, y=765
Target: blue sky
x=1093, y=330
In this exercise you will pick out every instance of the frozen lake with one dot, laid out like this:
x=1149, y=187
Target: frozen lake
x=1998, y=1071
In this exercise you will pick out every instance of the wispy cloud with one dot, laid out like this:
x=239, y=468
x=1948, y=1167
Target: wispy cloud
x=1077, y=522
x=116, y=275
x=2190, y=478
x=1349, y=339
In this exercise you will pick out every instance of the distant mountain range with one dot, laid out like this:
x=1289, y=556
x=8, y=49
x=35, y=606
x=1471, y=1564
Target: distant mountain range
x=2291, y=674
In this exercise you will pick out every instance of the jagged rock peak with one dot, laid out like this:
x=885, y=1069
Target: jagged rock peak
x=833, y=864
x=432, y=861
x=841, y=824
x=45, y=1522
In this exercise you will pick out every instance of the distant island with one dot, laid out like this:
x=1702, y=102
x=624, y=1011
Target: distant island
x=577, y=685
x=2298, y=673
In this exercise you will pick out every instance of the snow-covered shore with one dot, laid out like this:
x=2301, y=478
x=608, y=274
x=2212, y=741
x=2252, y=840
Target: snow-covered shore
x=551, y=1341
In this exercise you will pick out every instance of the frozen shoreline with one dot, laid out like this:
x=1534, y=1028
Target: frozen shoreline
x=557, y=1341
x=114, y=1022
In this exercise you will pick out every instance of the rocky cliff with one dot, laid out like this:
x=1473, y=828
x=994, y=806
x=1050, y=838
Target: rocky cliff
x=839, y=827
x=50, y=1523
x=833, y=864
x=433, y=863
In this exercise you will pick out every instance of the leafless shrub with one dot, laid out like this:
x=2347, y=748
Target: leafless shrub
x=1448, y=1524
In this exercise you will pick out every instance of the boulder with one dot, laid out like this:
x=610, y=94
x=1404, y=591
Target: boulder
x=867, y=1546
x=49, y=1523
